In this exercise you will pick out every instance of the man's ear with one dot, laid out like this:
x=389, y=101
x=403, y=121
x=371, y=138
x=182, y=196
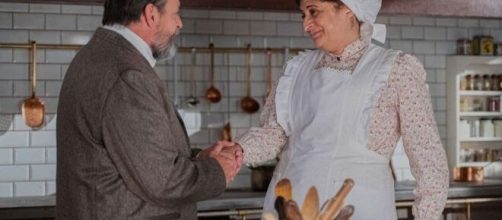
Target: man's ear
x=151, y=15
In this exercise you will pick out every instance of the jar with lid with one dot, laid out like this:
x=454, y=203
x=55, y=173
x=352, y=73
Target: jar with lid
x=489, y=155
x=497, y=155
x=477, y=105
x=469, y=155
x=464, y=46
x=493, y=104
x=479, y=155
x=487, y=83
x=465, y=105
x=486, y=46
x=486, y=128
x=500, y=82
x=476, y=44
x=498, y=127
x=497, y=48
x=495, y=82
x=469, y=82
x=464, y=129
x=478, y=82
x=475, y=128
x=463, y=155
x=464, y=84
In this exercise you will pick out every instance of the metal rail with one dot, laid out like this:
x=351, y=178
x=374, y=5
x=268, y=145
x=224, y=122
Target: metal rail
x=180, y=49
x=246, y=212
x=466, y=201
x=242, y=212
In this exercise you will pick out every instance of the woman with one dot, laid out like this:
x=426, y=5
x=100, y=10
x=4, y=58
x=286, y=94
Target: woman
x=341, y=110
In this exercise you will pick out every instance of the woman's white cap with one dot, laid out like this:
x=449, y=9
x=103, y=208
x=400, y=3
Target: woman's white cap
x=366, y=11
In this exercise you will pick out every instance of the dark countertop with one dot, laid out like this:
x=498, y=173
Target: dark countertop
x=246, y=199
x=239, y=199
x=487, y=188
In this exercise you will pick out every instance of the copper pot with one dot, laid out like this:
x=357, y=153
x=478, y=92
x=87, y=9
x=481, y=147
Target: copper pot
x=468, y=174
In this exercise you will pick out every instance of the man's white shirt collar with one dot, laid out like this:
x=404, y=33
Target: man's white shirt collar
x=135, y=40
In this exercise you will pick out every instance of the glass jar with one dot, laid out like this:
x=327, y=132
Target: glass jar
x=476, y=44
x=498, y=127
x=463, y=155
x=495, y=82
x=464, y=46
x=464, y=104
x=463, y=82
x=486, y=46
x=486, y=128
x=489, y=155
x=475, y=128
x=496, y=155
x=500, y=82
x=469, y=155
x=479, y=155
x=464, y=129
x=477, y=106
x=478, y=82
x=487, y=83
x=469, y=83
x=493, y=104
x=498, y=48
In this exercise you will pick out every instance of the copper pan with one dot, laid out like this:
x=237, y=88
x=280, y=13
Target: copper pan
x=468, y=174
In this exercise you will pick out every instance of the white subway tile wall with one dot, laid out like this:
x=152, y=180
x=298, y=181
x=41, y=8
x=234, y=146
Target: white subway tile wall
x=6, y=190
x=45, y=8
x=34, y=188
x=28, y=156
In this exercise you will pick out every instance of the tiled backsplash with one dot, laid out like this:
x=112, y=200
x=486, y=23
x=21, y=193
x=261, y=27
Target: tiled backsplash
x=28, y=156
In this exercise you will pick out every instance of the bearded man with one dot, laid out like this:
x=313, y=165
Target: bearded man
x=123, y=152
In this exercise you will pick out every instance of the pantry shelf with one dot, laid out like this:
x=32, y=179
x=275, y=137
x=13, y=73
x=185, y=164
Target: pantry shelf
x=480, y=114
x=478, y=164
x=466, y=129
x=480, y=93
x=482, y=139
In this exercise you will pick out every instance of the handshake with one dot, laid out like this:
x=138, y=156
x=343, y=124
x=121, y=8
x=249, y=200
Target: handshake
x=229, y=156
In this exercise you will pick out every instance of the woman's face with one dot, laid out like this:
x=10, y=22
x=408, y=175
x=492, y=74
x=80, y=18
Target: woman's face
x=327, y=23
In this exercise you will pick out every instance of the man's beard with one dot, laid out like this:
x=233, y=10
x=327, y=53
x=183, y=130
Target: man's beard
x=166, y=52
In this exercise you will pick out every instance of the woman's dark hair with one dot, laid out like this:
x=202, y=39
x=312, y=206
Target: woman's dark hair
x=338, y=2
x=126, y=11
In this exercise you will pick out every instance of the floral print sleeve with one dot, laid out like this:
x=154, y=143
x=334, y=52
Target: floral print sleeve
x=420, y=136
x=264, y=143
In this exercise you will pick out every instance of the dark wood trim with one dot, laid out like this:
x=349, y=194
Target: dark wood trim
x=456, y=8
x=270, y=5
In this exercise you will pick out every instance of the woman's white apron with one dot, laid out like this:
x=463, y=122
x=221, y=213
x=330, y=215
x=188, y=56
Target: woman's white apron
x=326, y=112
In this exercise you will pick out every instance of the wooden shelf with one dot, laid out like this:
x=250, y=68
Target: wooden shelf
x=477, y=164
x=480, y=93
x=458, y=67
x=480, y=114
x=481, y=139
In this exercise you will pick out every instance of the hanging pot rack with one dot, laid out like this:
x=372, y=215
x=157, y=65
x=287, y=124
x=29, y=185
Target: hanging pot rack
x=180, y=49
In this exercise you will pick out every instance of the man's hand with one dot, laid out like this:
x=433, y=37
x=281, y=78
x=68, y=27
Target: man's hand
x=229, y=156
x=239, y=154
x=215, y=149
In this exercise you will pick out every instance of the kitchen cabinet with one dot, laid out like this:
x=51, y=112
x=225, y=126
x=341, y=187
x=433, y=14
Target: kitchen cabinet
x=472, y=135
